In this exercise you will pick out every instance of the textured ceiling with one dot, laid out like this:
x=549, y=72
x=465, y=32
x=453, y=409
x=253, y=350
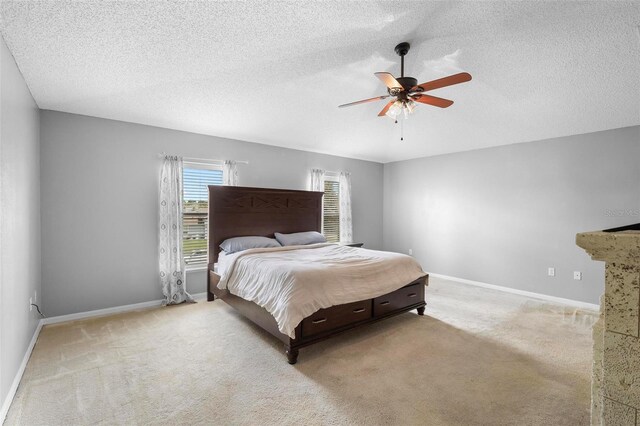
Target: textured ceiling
x=275, y=72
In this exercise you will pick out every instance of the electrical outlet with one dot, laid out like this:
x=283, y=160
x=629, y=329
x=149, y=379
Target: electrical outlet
x=577, y=275
x=551, y=272
x=30, y=304
x=410, y=252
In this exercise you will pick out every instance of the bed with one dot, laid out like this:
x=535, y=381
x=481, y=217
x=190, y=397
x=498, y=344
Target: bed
x=242, y=211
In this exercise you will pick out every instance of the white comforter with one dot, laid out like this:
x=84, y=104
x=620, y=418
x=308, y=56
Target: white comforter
x=293, y=282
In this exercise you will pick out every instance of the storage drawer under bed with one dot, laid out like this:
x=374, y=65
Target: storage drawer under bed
x=406, y=296
x=336, y=317
x=342, y=315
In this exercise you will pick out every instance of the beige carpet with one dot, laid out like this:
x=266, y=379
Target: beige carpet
x=480, y=357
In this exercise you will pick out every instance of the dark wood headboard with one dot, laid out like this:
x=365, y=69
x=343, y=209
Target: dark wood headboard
x=236, y=211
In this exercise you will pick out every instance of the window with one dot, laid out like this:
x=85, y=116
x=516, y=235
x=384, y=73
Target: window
x=195, y=228
x=331, y=210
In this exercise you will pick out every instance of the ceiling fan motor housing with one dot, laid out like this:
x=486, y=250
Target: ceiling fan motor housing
x=407, y=82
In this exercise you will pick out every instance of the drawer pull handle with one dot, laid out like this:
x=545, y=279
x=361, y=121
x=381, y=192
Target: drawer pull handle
x=318, y=321
x=412, y=294
x=357, y=311
x=384, y=303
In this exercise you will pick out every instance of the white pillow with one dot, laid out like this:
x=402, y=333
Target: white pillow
x=235, y=244
x=300, y=238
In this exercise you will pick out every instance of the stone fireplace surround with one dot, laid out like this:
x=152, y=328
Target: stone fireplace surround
x=615, y=392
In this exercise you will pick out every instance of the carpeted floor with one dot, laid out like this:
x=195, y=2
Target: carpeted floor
x=479, y=357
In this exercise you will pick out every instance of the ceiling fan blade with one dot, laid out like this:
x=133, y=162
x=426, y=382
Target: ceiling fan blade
x=385, y=109
x=389, y=80
x=442, y=82
x=364, y=101
x=432, y=100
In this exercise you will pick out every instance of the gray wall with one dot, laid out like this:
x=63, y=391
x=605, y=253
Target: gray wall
x=504, y=215
x=499, y=215
x=99, y=196
x=19, y=217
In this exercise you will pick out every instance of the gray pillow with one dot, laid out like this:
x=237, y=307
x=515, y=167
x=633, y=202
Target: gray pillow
x=235, y=244
x=300, y=238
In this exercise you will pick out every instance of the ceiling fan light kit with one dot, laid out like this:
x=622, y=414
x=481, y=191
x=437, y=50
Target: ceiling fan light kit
x=404, y=107
x=407, y=92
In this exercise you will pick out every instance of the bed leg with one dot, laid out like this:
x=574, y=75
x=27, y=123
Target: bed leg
x=210, y=297
x=292, y=354
x=420, y=310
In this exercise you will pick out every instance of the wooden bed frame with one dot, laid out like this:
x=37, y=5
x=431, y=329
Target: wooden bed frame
x=240, y=211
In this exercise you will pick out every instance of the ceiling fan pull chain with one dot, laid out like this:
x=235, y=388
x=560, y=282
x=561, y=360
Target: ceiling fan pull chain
x=401, y=130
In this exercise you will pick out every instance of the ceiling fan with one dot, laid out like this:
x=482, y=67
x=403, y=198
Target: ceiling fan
x=407, y=91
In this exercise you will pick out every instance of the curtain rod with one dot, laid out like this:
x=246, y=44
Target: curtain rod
x=330, y=173
x=203, y=160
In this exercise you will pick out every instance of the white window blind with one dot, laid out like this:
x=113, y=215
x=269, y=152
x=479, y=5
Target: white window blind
x=331, y=211
x=195, y=209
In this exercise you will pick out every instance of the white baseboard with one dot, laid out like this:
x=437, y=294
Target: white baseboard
x=110, y=311
x=560, y=300
x=63, y=318
x=18, y=377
